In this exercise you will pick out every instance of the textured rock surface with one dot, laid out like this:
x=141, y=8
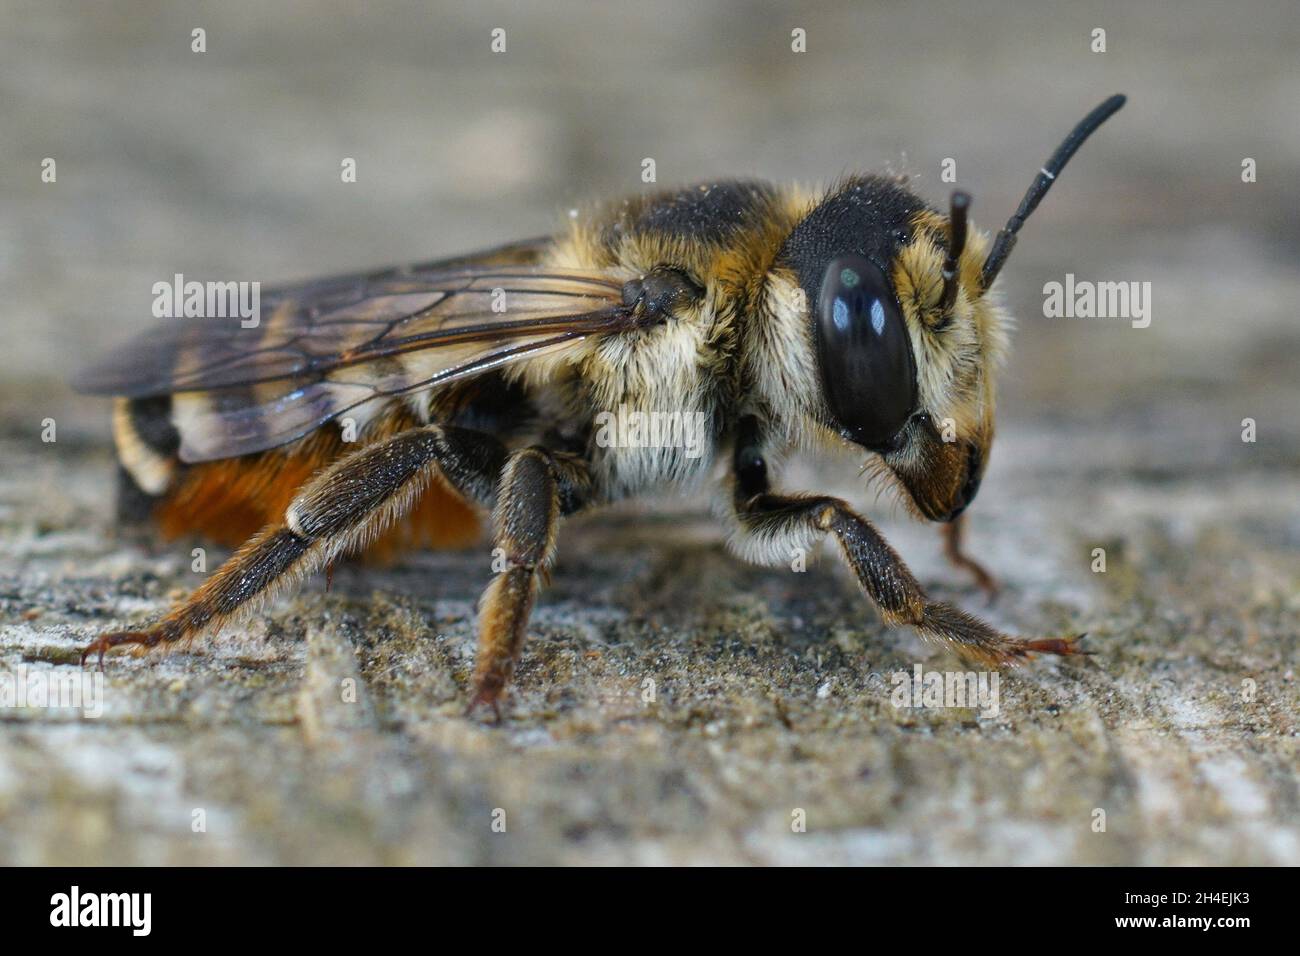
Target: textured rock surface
x=772, y=689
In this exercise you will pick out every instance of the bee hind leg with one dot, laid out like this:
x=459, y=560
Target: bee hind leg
x=337, y=511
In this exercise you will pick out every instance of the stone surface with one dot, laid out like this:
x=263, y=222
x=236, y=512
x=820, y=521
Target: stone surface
x=329, y=730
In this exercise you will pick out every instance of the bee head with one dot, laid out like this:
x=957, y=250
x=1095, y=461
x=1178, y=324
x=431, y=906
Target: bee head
x=905, y=343
x=957, y=338
x=905, y=338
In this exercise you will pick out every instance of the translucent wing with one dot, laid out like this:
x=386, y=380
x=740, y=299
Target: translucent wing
x=326, y=348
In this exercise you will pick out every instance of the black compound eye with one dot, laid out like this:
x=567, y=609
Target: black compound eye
x=868, y=373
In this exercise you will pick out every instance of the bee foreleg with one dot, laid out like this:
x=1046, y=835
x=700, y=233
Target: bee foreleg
x=338, y=511
x=772, y=524
x=953, y=533
x=887, y=580
x=536, y=487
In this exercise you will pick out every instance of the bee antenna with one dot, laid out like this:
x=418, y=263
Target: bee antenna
x=1006, y=239
x=956, y=244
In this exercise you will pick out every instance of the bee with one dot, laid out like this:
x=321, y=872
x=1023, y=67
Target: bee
x=372, y=412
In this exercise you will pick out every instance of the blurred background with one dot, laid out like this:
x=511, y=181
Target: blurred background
x=226, y=165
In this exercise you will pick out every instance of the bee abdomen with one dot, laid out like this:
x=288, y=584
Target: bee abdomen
x=228, y=500
x=147, y=442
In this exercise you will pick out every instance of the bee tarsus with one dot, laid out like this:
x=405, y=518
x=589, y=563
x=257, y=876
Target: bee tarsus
x=113, y=639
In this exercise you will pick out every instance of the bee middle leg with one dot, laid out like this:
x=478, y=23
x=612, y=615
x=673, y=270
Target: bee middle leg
x=536, y=488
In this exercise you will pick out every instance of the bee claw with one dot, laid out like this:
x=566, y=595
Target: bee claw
x=1061, y=646
x=485, y=695
x=110, y=640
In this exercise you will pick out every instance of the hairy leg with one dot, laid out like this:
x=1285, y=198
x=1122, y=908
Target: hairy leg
x=775, y=524
x=337, y=511
x=536, y=488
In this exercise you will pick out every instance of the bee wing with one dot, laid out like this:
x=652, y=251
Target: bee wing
x=327, y=348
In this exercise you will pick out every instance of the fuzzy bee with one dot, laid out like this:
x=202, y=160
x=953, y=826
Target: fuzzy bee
x=373, y=412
